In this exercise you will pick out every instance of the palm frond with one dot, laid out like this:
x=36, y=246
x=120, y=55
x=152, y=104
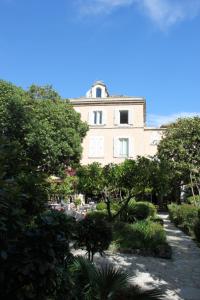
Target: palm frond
x=109, y=281
x=83, y=272
x=134, y=292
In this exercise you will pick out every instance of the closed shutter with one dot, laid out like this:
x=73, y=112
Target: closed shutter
x=104, y=117
x=96, y=146
x=116, y=147
x=116, y=117
x=91, y=118
x=100, y=146
x=131, y=147
x=130, y=117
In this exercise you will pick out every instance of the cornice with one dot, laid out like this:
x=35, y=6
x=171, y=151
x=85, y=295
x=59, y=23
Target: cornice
x=107, y=101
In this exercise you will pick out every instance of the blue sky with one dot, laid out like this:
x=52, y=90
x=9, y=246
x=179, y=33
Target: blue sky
x=147, y=48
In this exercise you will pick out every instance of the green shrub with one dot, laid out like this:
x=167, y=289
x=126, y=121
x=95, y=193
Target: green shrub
x=184, y=215
x=36, y=261
x=138, y=211
x=194, y=200
x=115, y=206
x=94, y=234
x=101, y=206
x=197, y=230
x=77, y=202
x=145, y=235
x=197, y=227
x=101, y=214
x=157, y=219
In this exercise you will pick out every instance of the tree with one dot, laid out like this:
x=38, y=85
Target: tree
x=90, y=179
x=180, y=148
x=49, y=132
x=62, y=189
x=93, y=234
x=43, y=92
x=130, y=179
x=38, y=137
x=36, y=267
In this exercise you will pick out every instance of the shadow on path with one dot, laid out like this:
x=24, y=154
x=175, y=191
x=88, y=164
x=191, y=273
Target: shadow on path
x=179, y=277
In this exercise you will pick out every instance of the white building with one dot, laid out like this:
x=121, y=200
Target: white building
x=117, y=126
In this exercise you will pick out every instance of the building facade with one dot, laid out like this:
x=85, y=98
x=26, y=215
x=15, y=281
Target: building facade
x=117, y=126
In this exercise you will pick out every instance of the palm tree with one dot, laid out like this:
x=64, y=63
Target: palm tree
x=105, y=283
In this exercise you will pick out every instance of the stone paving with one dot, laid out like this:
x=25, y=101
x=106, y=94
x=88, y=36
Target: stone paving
x=179, y=277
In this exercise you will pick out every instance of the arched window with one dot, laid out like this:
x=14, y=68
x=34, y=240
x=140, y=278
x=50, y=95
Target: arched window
x=98, y=92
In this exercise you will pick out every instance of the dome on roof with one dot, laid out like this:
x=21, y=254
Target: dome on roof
x=98, y=90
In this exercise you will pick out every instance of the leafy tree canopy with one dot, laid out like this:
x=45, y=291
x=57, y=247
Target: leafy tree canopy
x=180, y=147
x=181, y=143
x=90, y=179
x=43, y=92
x=48, y=132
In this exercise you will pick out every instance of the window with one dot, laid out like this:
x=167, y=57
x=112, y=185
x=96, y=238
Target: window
x=123, y=116
x=97, y=117
x=98, y=92
x=96, y=146
x=123, y=147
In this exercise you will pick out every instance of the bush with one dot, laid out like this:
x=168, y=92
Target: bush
x=101, y=206
x=197, y=227
x=157, y=220
x=145, y=236
x=138, y=211
x=35, y=267
x=197, y=230
x=77, y=202
x=94, y=234
x=101, y=214
x=194, y=200
x=184, y=215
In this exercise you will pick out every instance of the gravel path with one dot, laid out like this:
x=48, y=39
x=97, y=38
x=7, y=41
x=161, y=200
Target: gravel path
x=179, y=277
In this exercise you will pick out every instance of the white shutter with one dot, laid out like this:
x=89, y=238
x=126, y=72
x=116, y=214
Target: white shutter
x=91, y=147
x=91, y=118
x=96, y=146
x=130, y=117
x=116, y=117
x=116, y=147
x=131, y=148
x=104, y=117
x=100, y=146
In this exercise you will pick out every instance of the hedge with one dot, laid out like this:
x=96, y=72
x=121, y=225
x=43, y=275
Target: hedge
x=147, y=237
x=185, y=216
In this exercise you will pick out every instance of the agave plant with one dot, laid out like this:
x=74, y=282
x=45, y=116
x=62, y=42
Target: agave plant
x=105, y=283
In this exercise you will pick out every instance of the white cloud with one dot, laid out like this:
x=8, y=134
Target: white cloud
x=158, y=120
x=101, y=6
x=164, y=13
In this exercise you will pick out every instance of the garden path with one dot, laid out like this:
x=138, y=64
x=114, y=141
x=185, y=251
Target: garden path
x=178, y=277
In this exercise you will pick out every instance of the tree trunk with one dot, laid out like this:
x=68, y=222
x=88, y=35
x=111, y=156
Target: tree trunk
x=191, y=184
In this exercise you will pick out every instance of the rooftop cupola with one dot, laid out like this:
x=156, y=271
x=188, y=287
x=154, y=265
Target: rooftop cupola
x=98, y=90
